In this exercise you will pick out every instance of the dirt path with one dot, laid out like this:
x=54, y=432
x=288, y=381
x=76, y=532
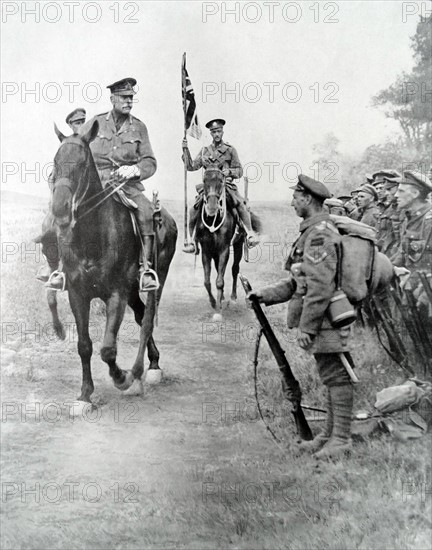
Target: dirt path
x=137, y=448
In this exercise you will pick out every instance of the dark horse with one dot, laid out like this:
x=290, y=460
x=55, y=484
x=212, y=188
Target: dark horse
x=216, y=231
x=100, y=252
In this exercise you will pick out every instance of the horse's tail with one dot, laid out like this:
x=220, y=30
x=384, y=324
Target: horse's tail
x=256, y=222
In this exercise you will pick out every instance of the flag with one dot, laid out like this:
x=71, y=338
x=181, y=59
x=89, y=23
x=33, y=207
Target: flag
x=192, y=125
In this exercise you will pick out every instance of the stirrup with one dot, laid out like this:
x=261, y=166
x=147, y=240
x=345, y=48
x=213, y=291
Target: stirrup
x=153, y=286
x=251, y=241
x=43, y=274
x=54, y=274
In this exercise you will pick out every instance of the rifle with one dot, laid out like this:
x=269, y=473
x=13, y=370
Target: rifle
x=397, y=349
x=290, y=385
x=426, y=285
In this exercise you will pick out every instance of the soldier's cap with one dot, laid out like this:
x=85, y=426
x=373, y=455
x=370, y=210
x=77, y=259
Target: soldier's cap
x=123, y=87
x=417, y=179
x=75, y=115
x=333, y=201
x=215, y=123
x=378, y=177
x=354, y=192
x=389, y=183
x=368, y=188
x=369, y=178
x=311, y=186
x=345, y=198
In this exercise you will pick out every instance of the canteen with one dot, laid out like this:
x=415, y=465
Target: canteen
x=341, y=312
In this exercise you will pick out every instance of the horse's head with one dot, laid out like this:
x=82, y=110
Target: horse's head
x=71, y=172
x=214, y=184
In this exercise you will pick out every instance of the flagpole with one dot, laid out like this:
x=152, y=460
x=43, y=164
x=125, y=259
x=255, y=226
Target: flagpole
x=184, y=156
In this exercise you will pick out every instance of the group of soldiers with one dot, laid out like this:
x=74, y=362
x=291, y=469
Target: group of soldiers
x=398, y=206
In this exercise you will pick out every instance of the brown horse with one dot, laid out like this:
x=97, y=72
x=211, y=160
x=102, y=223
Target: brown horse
x=100, y=252
x=216, y=231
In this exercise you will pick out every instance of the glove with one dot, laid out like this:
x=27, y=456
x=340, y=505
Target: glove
x=128, y=172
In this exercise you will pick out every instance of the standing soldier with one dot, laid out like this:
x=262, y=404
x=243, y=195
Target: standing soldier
x=224, y=156
x=367, y=197
x=309, y=287
x=379, y=180
x=355, y=212
x=415, y=251
x=389, y=234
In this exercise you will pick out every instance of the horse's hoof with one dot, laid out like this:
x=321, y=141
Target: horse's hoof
x=80, y=409
x=60, y=331
x=128, y=381
x=136, y=388
x=154, y=376
x=217, y=318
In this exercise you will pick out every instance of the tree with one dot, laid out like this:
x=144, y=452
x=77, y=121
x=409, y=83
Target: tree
x=409, y=99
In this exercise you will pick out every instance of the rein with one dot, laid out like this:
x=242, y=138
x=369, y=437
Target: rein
x=222, y=208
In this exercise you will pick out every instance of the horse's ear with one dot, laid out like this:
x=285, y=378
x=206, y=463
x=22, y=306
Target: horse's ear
x=89, y=135
x=58, y=133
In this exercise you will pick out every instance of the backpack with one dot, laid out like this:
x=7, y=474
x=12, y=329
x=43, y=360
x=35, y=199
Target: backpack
x=362, y=269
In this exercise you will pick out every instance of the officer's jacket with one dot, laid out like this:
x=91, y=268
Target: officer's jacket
x=127, y=146
x=370, y=215
x=415, y=251
x=315, y=250
x=224, y=157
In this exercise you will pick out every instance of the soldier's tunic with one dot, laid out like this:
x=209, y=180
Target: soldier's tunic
x=225, y=157
x=415, y=253
x=388, y=231
x=370, y=215
x=315, y=250
x=126, y=146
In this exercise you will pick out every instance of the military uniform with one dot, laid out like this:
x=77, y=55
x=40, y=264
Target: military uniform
x=388, y=233
x=312, y=266
x=370, y=215
x=126, y=146
x=225, y=157
x=415, y=250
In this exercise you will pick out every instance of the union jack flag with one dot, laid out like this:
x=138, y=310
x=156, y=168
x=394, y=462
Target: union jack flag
x=192, y=125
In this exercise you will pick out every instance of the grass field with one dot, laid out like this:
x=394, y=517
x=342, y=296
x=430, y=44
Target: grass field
x=189, y=464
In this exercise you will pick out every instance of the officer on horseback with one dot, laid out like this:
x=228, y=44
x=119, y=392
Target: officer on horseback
x=124, y=157
x=223, y=156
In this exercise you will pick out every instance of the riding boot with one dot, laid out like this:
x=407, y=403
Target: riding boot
x=339, y=444
x=148, y=277
x=252, y=238
x=49, y=274
x=321, y=439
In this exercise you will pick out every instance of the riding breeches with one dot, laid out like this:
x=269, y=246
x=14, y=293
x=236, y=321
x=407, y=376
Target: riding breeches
x=144, y=214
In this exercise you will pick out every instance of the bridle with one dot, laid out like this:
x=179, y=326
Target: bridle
x=221, y=204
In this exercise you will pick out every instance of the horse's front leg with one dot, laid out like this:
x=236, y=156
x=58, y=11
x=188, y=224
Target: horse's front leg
x=80, y=306
x=221, y=267
x=238, y=253
x=206, y=262
x=147, y=325
x=115, y=308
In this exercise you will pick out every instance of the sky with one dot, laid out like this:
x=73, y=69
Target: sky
x=296, y=71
